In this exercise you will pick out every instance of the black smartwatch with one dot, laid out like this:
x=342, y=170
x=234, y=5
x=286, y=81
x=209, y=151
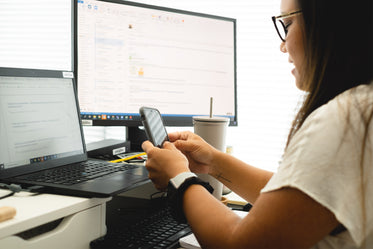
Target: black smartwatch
x=176, y=189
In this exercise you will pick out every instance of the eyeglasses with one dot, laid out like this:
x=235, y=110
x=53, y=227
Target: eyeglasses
x=281, y=27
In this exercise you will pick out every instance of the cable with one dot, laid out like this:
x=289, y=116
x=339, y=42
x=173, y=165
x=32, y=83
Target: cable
x=12, y=187
x=128, y=158
x=15, y=188
x=161, y=193
x=7, y=195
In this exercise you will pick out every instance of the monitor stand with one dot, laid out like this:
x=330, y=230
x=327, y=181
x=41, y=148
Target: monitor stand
x=136, y=136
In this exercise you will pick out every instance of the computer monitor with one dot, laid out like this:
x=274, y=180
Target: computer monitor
x=130, y=55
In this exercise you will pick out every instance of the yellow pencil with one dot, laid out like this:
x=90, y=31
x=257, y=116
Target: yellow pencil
x=128, y=158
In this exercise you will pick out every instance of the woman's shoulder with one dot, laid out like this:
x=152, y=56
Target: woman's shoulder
x=345, y=115
x=361, y=95
x=353, y=103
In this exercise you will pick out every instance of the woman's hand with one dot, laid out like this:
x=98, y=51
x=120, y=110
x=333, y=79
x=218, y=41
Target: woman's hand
x=199, y=153
x=164, y=164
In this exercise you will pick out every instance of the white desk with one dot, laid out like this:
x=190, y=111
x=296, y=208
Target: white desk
x=52, y=221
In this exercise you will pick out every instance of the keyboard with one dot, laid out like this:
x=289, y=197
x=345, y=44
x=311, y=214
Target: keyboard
x=157, y=230
x=76, y=173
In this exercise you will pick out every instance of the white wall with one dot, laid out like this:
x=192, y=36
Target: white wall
x=267, y=96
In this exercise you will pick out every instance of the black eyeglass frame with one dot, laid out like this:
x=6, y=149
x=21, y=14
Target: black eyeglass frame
x=274, y=18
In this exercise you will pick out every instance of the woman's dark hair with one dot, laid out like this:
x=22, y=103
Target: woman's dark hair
x=338, y=50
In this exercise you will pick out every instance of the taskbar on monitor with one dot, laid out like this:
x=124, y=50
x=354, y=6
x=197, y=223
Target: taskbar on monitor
x=108, y=116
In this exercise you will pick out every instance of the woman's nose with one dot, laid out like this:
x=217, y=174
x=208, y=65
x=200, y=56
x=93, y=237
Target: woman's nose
x=283, y=47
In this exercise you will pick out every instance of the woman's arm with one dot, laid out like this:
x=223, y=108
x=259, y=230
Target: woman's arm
x=285, y=218
x=243, y=179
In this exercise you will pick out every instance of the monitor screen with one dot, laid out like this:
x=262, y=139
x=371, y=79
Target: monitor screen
x=131, y=55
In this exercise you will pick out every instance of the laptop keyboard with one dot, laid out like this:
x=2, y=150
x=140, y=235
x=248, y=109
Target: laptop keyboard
x=76, y=173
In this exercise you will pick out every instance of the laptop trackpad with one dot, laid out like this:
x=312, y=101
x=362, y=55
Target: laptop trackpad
x=140, y=171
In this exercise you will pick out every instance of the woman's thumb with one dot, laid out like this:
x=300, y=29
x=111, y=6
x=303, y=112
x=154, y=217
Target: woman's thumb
x=183, y=145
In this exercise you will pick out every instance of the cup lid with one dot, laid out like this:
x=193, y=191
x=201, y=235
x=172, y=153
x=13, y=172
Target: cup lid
x=210, y=119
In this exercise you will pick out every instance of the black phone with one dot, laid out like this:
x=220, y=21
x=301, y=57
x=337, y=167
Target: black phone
x=154, y=127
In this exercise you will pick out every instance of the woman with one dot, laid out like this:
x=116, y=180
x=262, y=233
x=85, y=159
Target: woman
x=322, y=193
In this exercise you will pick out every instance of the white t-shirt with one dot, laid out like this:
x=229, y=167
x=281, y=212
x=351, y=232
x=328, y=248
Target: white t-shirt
x=323, y=161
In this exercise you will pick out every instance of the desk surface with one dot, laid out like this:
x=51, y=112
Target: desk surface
x=36, y=210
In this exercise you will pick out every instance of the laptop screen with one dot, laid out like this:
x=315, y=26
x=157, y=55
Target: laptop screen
x=39, y=120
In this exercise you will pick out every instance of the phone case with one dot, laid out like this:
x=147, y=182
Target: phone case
x=154, y=127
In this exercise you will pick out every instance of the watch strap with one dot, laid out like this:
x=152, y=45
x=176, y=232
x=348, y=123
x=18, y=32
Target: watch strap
x=175, y=196
x=180, y=178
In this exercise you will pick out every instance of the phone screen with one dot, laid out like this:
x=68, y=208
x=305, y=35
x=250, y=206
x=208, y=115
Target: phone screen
x=154, y=127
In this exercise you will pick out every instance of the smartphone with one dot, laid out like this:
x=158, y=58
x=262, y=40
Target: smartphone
x=154, y=127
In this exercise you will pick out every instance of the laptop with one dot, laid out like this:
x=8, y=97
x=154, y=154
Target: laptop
x=41, y=131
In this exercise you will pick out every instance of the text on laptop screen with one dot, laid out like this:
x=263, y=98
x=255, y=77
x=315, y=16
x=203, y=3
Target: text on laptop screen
x=38, y=120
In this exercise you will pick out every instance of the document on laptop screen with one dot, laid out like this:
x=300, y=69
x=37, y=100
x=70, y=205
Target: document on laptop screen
x=38, y=120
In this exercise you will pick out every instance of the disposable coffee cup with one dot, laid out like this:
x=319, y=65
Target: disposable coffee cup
x=213, y=130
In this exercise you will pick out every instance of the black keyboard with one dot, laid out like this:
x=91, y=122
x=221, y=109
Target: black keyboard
x=157, y=230
x=76, y=173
